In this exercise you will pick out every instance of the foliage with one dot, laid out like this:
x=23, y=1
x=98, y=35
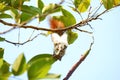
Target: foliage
x=19, y=65
x=108, y=4
x=37, y=67
x=82, y=5
x=2, y=39
x=21, y=13
x=4, y=67
x=40, y=65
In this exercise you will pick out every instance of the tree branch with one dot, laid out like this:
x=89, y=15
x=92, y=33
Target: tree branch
x=76, y=26
x=80, y=24
x=82, y=58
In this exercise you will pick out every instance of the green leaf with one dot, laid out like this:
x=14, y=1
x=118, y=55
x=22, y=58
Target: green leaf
x=31, y=10
x=38, y=57
x=39, y=66
x=12, y=3
x=5, y=1
x=4, y=71
x=28, y=13
x=41, y=18
x=3, y=15
x=1, y=56
x=3, y=78
x=116, y=2
x=17, y=3
x=72, y=36
x=52, y=76
x=1, y=52
x=4, y=9
x=68, y=19
x=1, y=62
x=4, y=67
x=77, y=3
x=51, y=8
x=2, y=5
x=15, y=14
x=108, y=4
x=26, y=17
x=2, y=39
x=19, y=65
x=14, y=11
x=40, y=4
x=82, y=5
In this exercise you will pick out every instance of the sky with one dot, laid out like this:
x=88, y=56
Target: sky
x=102, y=63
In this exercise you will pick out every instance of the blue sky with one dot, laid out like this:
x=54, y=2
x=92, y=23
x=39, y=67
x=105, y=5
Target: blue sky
x=102, y=63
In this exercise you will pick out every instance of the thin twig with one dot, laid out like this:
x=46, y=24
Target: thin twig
x=89, y=12
x=83, y=31
x=4, y=32
x=31, y=34
x=97, y=10
x=82, y=58
x=19, y=36
x=18, y=43
x=61, y=1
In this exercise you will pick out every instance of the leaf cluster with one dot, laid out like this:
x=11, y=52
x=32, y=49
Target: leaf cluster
x=37, y=67
x=21, y=13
